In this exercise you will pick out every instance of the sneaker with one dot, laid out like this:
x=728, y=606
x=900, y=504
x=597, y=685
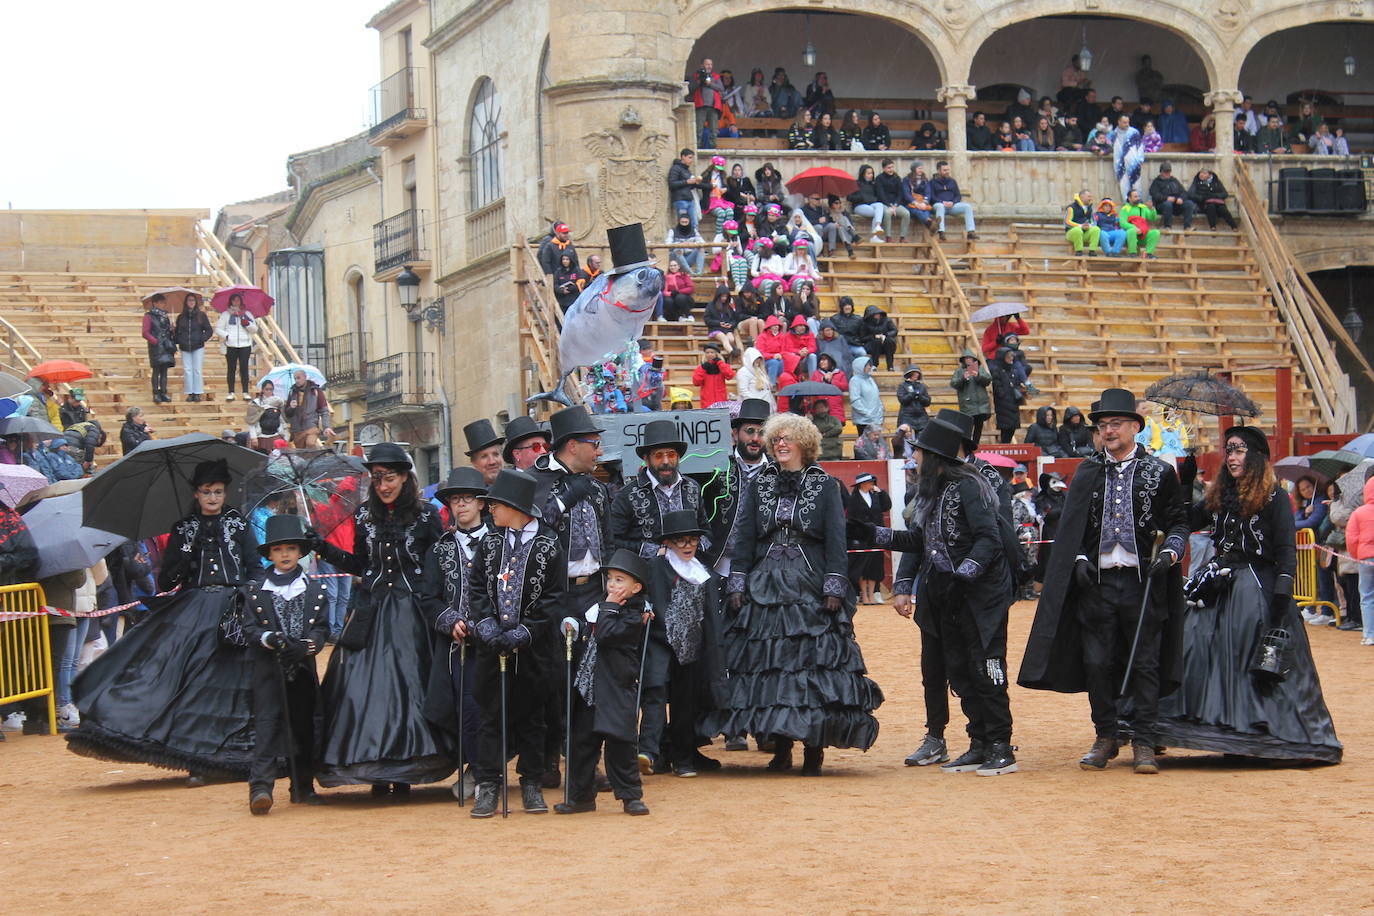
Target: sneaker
x=1349, y=625
x=1322, y=620
x=876, y=240
x=68, y=717
x=465, y=786
x=1367, y=641
x=229, y=396
x=731, y=744
x=932, y=750
x=485, y=806
x=685, y=770
x=1001, y=760
x=969, y=760
x=1310, y=615
x=261, y=802
x=532, y=799
x=13, y=722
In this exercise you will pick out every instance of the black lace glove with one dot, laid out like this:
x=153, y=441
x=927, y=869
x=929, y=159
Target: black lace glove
x=1187, y=471
x=577, y=488
x=294, y=651
x=735, y=602
x=832, y=604
x=1085, y=573
x=313, y=541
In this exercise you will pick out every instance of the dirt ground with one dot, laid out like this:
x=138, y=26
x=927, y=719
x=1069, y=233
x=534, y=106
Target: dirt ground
x=871, y=836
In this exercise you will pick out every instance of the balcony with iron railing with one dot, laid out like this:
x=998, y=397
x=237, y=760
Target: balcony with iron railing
x=345, y=360
x=398, y=107
x=400, y=383
x=398, y=241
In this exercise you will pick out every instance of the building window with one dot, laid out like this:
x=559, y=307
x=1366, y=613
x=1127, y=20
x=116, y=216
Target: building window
x=540, y=105
x=484, y=150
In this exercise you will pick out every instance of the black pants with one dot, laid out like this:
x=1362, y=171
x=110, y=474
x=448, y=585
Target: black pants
x=1107, y=618
x=1005, y=435
x=526, y=696
x=621, y=768
x=237, y=357
x=1168, y=208
x=978, y=429
x=672, y=708
x=677, y=305
x=1215, y=211
x=464, y=675
x=1350, y=585
x=934, y=682
x=885, y=349
x=159, y=381
x=580, y=596
x=977, y=671
x=273, y=715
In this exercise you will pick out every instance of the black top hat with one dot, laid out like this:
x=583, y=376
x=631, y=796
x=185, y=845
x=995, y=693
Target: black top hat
x=679, y=523
x=752, y=410
x=1116, y=402
x=1251, y=436
x=390, y=454
x=284, y=529
x=960, y=421
x=216, y=471
x=661, y=434
x=515, y=489
x=522, y=427
x=462, y=480
x=942, y=439
x=628, y=250
x=569, y=422
x=628, y=562
x=481, y=434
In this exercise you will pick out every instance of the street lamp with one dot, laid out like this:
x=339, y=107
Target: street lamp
x=1351, y=320
x=1085, y=57
x=408, y=286
x=808, y=52
x=1350, y=65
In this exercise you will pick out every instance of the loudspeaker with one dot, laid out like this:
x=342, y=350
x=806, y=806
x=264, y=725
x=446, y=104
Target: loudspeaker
x=1292, y=189
x=1350, y=194
x=1323, y=189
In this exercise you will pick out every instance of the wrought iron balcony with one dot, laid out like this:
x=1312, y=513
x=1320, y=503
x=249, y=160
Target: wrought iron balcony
x=398, y=107
x=345, y=360
x=399, y=240
x=400, y=382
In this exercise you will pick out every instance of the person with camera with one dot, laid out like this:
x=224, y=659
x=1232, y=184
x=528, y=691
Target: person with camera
x=235, y=329
x=707, y=96
x=712, y=375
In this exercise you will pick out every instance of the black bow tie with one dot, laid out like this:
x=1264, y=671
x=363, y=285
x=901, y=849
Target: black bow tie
x=283, y=579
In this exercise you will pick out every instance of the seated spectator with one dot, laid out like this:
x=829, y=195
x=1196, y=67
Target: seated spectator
x=872, y=444
x=829, y=342
x=765, y=270
x=1308, y=122
x=799, y=265
x=978, y=136
x=1168, y=197
x=1099, y=140
x=879, y=335
x=825, y=136
x=1003, y=141
x=773, y=226
x=768, y=187
x=1021, y=368
x=750, y=315
x=1044, y=433
x=1172, y=123
x=1069, y=136
x=770, y=345
x=721, y=319
x=1325, y=143
x=712, y=186
x=851, y=132
x=677, y=293
x=903, y=442
x=1203, y=137
x=849, y=326
x=752, y=381
x=1079, y=227
x=785, y=100
x=712, y=375
x=804, y=302
x=1210, y=195
x=1045, y=109
x=819, y=98
x=800, y=226
x=1043, y=135
x=732, y=95
x=1088, y=110
x=566, y=275
x=684, y=233
x=1144, y=114
x=1253, y=121
x=739, y=190
x=734, y=260
x=799, y=135
x=757, y=102
x=915, y=188
x=829, y=372
x=839, y=229
x=1138, y=218
x=1271, y=138
x=133, y=433
x=799, y=350
x=945, y=196
x=867, y=202
x=775, y=304
x=1241, y=140
x=1111, y=234
x=876, y=136
x=927, y=138
x=1021, y=108
x=1151, y=139
x=889, y=186
x=749, y=231
x=1075, y=435
x=831, y=429
x=1020, y=134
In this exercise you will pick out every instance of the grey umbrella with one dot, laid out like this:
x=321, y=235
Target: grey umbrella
x=12, y=386
x=13, y=426
x=147, y=491
x=808, y=389
x=1352, y=484
x=64, y=544
x=997, y=310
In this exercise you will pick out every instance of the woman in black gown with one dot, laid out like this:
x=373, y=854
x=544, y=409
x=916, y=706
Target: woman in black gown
x=1221, y=705
x=171, y=692
x=375, y=689
x=796, y=672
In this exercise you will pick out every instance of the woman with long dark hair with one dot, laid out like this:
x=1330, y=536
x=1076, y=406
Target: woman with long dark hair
x=171, y=692
x=565, y=278
x=1244, y=599
x=377, y=685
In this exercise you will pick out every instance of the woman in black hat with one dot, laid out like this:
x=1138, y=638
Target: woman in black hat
x=171, y=692
x=867, y=503
x=796, y=672
x=376, y=687
x=1224, y=704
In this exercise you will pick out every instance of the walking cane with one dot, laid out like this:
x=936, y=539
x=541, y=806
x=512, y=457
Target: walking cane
x=569, y=634
x=505, y=761
x=1144, y=604
x=643, y=657
x=462, y=686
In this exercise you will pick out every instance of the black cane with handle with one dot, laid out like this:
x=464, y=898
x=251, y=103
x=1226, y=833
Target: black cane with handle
x=1144, y=606
x=569, y=634
x=462, y=684
x=505, y=761
x=643, y=657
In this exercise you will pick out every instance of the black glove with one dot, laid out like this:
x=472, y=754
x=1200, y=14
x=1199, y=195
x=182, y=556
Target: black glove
x=832, y=604
x=1085, y=573
x=313, y=541
x=294, y=651
x=712, y=367
x=1162, y=561
x=1281, y=601
x=576, y=488
x=860, y=531
x=274, y=641
x=1187, y=471
x=735, y=602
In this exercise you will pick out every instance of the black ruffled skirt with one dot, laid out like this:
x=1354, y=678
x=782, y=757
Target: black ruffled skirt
x=1221, y=706
x=375, y=730
x=170, y=693
x=795, y=670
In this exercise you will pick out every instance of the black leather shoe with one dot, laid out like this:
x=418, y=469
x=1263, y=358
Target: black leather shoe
x=601, y=782
x=261, y=802
x=704, y=764
x=736, y=744
x=485, y=805
x=932, y=750
x=577, y=807
x=551, y=779
x=400, y=791
x=1001, y=759
x=635, y=806
x=812, y=758
x=969, y=760
x=782, y=756
x=1144, y=763
x=532, y=799
x=195, y=780
x=1103, y=749
x=379, y=790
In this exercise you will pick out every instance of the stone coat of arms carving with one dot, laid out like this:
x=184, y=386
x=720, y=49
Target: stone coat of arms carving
x=629, y=173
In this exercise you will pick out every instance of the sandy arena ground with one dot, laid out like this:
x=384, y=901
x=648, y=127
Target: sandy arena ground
x=871, y=836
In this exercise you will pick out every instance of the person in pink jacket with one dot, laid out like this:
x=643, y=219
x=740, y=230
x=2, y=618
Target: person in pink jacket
x=1359, y=541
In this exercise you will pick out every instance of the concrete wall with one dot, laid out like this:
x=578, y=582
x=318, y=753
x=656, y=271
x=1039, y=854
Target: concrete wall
x=100, y=241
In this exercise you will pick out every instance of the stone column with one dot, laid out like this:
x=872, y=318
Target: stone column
x=1223, y=103
x=956, y=99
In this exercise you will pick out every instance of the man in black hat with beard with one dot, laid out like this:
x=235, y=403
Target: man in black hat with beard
x=484, y=449
x=526, y=441
x=577, y=507
x=638, y=509
x=1090, y=612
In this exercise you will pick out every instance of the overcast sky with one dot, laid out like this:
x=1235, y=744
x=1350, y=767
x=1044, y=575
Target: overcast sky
x=174, y=103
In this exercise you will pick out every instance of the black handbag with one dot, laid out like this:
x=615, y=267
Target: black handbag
x=231, y=622
x=357, y=627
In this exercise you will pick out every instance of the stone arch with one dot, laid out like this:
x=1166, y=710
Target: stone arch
x=1324, y=71
x=1335, y=256
x=1253, y=28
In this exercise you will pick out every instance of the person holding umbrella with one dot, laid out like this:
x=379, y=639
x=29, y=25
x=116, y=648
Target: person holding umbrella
x=157, y=331
x=1225, y=704
x=307, y=411
x=172, y=692
x=191, y=332
x=235, y=329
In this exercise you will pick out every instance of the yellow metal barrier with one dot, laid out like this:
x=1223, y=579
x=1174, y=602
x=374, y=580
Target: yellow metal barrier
x=25, y=652
x=1305, y=583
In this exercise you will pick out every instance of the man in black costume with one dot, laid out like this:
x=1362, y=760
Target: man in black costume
x=637, y=512
x=1090, y=611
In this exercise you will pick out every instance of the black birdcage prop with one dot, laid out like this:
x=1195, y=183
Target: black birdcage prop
x=1273, y=657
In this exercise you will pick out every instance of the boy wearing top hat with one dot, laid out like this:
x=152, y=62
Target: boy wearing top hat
x=484, y=448
x=285, y=621
x=520, y=577
x=606, y=684
x=526, y=440
x=447, y=591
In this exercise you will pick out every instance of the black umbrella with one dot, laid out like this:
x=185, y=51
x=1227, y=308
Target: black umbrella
x=13, y=426
x=325, y=486
x=1201, y=392
x=147, y=491
x=808, y=389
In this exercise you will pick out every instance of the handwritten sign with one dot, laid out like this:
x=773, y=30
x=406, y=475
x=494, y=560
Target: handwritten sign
x=706, y=432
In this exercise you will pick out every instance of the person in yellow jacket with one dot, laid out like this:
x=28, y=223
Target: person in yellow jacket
x=1079, y=227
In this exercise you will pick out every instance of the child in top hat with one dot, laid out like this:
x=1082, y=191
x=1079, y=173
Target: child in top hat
x=606, y=687
x=684, y=663
x=285, y=622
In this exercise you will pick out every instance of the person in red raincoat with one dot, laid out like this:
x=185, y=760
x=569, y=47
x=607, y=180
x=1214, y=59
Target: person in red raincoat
x=1006, y=324
x=711, y=376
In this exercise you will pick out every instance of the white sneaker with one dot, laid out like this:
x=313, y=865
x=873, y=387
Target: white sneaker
x=1367, y=641
x=1310, y=614
x=68, y=717
x=876, y=240
x=1323, y=620
x=13, y=722
x=229, y=396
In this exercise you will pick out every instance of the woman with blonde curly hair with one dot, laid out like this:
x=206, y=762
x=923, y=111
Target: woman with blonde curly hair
x=1243, y=598
x=796, y=670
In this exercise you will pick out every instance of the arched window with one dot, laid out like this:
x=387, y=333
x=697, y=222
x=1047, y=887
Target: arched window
x=543, y=82
x=484, y=150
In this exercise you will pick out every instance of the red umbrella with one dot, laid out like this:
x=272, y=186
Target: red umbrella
x=823, y=180
x=996, y=460
x=60, y=370
x=255, y=302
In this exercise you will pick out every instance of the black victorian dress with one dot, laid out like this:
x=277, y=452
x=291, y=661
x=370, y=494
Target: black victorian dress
x=794, y=669
x=1220, y=705
x=377, y=685
x=172, y=692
